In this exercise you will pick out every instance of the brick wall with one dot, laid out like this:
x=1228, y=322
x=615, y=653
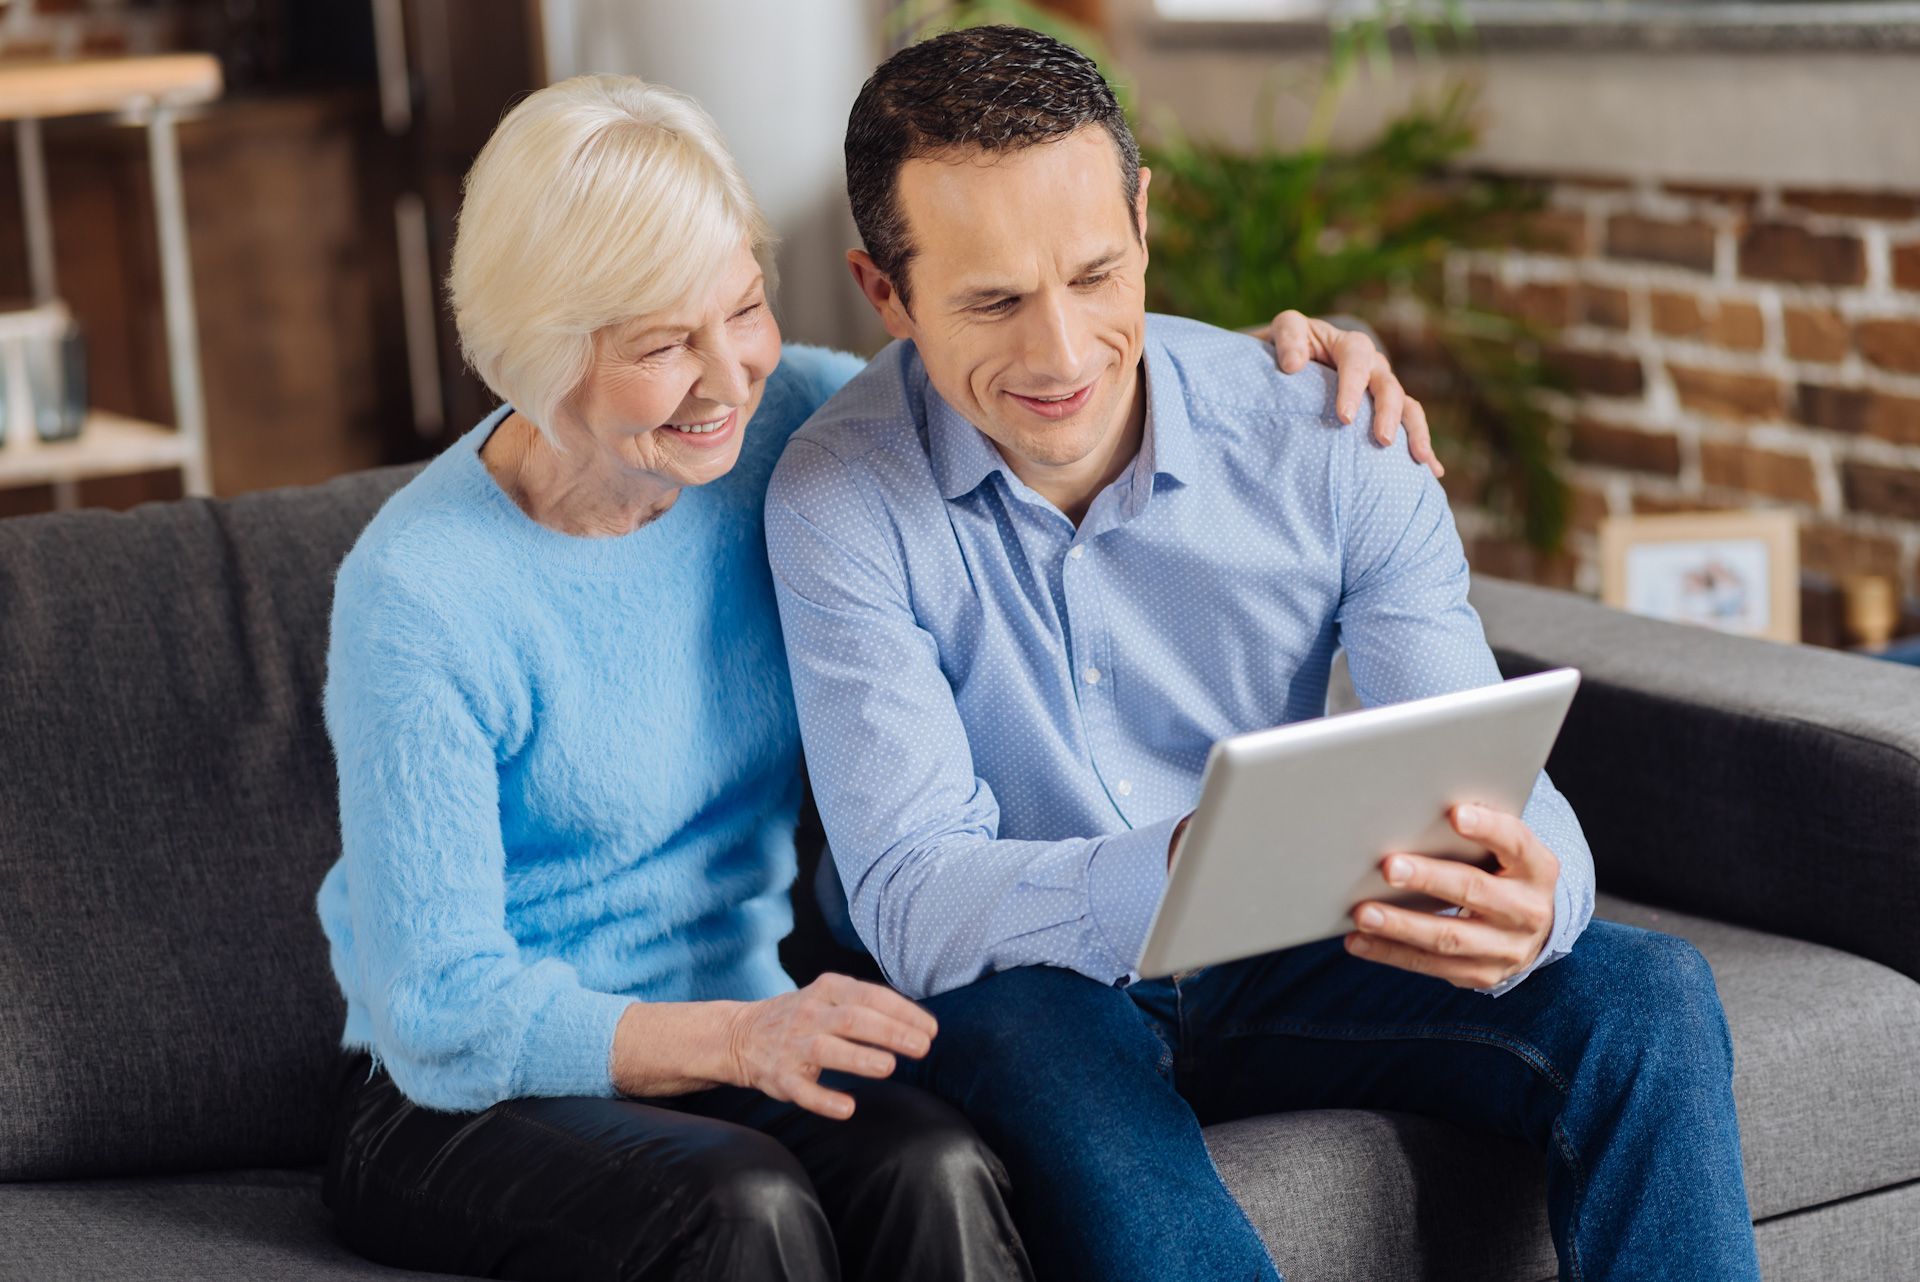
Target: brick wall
x=1730, y=348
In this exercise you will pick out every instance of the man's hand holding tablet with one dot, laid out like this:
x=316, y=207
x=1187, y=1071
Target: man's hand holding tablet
x=1307, y=830
x=1505, y=915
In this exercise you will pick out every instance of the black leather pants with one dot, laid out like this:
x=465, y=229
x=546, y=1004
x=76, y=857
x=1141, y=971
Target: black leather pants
x=721, y=1184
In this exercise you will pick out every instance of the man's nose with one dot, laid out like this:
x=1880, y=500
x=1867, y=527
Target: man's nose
x=1054, y=338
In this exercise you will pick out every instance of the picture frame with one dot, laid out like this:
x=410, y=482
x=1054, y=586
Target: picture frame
x=1737, y=572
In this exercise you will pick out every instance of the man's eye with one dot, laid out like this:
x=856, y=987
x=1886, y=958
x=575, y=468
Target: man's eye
x=999, y=307
x=1099, y=278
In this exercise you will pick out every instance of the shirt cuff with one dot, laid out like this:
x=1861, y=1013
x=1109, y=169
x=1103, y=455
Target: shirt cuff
x=1125, y=877
x=1559, y=940
x=569, y=1046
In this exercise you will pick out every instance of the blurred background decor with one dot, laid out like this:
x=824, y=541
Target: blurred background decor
x=1725, y=261
x=313, y=219
x=1635, y=258
x=43, y=374
x=59, y=439
x=1735, y=572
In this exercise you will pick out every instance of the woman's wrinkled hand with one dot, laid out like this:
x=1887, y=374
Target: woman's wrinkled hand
x=1362, y=368
x=780, y=1046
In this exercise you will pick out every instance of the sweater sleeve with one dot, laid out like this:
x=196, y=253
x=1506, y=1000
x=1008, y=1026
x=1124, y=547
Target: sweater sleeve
x=461, y=1021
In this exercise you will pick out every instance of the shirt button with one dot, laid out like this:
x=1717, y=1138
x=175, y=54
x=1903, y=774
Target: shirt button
x=1125, y=788
x=1092, y=676
x=1079, y=550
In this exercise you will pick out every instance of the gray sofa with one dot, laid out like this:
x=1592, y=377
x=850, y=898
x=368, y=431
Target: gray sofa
x=167, y=810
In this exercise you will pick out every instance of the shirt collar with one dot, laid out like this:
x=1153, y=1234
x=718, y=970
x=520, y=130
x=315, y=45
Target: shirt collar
x=963, y=456
x=1167, y=445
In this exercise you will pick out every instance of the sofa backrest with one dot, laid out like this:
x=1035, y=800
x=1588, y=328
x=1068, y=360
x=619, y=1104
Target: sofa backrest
x=167, y=810
x=1765, y=785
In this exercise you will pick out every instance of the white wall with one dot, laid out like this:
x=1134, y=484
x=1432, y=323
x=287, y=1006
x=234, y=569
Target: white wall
x=779, y=76
x=1810, y=119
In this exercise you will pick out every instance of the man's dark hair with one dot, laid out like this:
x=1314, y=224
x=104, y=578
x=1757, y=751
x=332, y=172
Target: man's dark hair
x=1000, y=89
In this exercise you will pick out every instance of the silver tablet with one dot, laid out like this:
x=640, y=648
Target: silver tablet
x=1293, y=822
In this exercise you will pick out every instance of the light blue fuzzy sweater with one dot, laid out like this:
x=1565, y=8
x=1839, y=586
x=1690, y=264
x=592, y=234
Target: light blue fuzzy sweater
x=568, y=770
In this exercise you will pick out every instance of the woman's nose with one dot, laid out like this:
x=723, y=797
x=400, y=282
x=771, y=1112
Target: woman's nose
x=724, y=379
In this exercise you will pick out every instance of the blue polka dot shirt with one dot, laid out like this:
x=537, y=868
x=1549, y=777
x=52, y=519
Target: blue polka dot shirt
x=1005, y=716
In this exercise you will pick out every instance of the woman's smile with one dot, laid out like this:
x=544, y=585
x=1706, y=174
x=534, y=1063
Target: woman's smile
x=705, y=435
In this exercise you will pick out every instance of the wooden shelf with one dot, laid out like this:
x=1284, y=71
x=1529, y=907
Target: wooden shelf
x=107, y=85
x=150, y=91
x=108, y=445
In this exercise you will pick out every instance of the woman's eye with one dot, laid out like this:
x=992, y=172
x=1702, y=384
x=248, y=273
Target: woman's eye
x=748, y=310
x=661, y=353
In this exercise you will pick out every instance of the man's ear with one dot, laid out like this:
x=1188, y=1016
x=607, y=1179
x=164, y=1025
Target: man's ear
x=880, y=293
x=1140, y=207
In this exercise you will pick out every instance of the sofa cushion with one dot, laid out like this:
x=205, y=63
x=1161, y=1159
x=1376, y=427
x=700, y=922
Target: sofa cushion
x=1345, y=1194
x=1826, y=1060
x=167, y=814
x=1826, y=1078
x=239, y=1226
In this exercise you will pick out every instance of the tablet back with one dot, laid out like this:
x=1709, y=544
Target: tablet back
x=1293, y=822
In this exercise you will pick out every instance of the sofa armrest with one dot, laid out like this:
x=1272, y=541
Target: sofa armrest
x=1766, y=785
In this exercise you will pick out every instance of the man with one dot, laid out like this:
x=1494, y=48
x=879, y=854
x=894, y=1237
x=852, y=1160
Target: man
x=1031, y=564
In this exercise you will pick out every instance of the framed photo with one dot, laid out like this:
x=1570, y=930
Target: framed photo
x=1735, y=571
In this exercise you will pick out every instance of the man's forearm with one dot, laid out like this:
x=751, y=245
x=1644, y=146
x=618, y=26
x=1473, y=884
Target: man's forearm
x=943, y=914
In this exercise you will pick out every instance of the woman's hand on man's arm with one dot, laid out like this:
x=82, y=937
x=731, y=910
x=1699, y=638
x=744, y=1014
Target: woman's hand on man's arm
x=778, y=1046
x=1363, y=368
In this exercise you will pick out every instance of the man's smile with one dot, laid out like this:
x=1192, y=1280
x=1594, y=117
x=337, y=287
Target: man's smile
x=1059, y=405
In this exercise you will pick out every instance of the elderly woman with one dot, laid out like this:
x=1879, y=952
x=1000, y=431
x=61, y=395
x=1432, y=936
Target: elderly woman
x=569, y=775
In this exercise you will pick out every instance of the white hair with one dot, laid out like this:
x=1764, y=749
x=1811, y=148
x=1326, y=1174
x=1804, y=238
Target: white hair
x=597, y=200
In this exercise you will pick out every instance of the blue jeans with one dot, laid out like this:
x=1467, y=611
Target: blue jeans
x=1614, y=1062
